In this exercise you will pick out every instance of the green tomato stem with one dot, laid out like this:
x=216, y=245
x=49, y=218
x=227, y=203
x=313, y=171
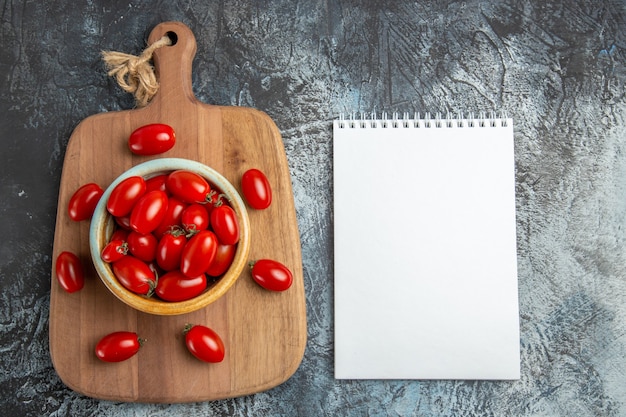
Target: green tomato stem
x=187, y=327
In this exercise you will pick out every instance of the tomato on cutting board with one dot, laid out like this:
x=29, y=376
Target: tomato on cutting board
x=84, y=201
x=118, y=346
x=271, y=275
x=69, y=272
x=256, y=189
x=152, y=139
x=204, y=343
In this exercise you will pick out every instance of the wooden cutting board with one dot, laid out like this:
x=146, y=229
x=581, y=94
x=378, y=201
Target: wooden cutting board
x=264, y=332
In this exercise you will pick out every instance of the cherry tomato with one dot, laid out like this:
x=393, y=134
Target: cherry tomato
x=114, y=251
x=123, y=222
x=125, y=195
x=188, y=186
x=152, y=139
x=195, y=218
x=175, y=286
x=149, y=212
x=83, y=202
x=142, y=246
x=198, y=253
x=172, y=217
x=225, y=225
x=271, y=275
x=69, y=272
x=256, y=189
x=119, y=234
x=135, y=275
x=204, y=343
x=214, y=199
x=169, y=250
x=156, y=183
x=222, y=261
x=118, y=346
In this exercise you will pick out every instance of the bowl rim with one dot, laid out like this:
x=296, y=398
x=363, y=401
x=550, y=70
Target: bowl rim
x=103, y=224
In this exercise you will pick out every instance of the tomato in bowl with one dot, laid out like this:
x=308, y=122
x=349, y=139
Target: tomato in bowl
x=134, y=276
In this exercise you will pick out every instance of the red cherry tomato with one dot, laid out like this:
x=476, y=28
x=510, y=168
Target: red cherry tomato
x=204, y=343
x=271, y=275
x=149, y=212
x=188, y=186
x=123, y=222
x=169, y=250
x=84, y=201
x=152, y=139
x=214, y=199
x=198, y=253
x=256, y=189
x=174, y=286
x=114, y=251
x=142, y=246
x=135, y=275
x=118, y=346
x=69, y=272
x=222, y=261
x=195, y=218
x=156, y=183
x=119, y=234
x=225, y=225
x=172, y=217
x=125, y=195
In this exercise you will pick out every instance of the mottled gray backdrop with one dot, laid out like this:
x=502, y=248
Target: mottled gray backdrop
x=556, y=67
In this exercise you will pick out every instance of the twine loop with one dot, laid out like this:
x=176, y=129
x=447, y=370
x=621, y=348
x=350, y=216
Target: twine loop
x=135, y=74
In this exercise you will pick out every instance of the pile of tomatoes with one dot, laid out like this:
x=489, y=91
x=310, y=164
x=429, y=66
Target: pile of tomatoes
x=174, y=230
x=176, y=234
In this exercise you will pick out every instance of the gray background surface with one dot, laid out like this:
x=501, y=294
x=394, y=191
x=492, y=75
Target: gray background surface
x=556, y=67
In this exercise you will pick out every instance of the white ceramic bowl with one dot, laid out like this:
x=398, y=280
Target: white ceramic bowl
x=103, y=225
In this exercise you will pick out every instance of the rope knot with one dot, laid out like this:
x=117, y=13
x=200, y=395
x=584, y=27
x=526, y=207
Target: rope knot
x=135, y=74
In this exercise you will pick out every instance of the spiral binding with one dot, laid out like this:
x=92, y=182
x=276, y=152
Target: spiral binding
x=374, y=121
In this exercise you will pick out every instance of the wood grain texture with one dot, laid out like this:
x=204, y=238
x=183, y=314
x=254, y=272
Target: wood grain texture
x=264, y=332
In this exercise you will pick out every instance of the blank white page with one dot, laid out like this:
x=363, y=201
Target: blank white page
x=425, y=251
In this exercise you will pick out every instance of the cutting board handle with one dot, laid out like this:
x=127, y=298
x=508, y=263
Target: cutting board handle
x=173, y=64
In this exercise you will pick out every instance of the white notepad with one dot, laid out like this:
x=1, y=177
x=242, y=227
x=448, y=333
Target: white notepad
x=425, y=250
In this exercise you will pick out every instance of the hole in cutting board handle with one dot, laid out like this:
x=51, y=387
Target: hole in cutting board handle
x=173, y=37
x=173, y=64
